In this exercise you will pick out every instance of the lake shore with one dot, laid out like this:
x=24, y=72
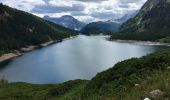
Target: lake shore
x=142, y=42
x=8, y=56
x=23, y=50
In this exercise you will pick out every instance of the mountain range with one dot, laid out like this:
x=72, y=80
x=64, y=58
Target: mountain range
x=66, y=21
x=125, y=17
x=106, y=27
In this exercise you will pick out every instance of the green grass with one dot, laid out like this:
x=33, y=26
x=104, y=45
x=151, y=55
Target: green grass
x=159, y=81
x=151, y=72
x=25, y=91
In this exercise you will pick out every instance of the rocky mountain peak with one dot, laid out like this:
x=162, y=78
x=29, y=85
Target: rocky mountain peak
x=66, y=21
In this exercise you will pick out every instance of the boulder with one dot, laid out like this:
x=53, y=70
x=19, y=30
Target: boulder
x=156, y=93
x=146, y=99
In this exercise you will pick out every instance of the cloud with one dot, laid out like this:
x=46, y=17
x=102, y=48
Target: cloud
x=104, y=15
x=124, y=6
x=48, y=8
x=91, y=0
x=129, y=1
x=84, y=10
x=75, y=13
x=46, y=1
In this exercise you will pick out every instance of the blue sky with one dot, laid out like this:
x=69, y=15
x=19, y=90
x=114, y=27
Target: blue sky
x=84, y=10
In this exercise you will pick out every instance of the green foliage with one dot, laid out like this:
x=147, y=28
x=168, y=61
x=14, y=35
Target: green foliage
x=25, y=91
x=117, y=81
x=158, y=81
x=142, y=36
x=95, y=31
x=64, y=88
x=165, y=40
x=3, y=81
x=19, y=29
x=2, y=52
x=100, y=27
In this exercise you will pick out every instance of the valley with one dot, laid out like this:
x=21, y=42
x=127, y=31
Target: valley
x=85, y=50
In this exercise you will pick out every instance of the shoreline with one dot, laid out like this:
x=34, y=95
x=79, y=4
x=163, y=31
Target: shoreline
x=141, y=42
x=22, y=51
x=29, y=48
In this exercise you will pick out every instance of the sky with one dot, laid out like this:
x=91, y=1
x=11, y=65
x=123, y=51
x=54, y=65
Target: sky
x=83, y=10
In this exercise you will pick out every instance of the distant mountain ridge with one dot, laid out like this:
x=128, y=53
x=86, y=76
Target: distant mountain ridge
x=107, y=27
x=151, y=23
x=66, y=21
x=125, y=17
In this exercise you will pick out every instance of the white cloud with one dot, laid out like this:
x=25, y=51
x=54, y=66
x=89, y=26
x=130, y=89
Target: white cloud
x=84, y=10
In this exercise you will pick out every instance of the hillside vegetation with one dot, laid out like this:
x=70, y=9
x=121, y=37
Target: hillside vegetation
x=19, y=29
x=131, y=79
x=151, y=23
x=95, y=28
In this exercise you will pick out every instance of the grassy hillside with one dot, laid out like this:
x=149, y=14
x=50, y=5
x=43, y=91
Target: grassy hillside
x=25, y=91
x=131, y=79
x=119, y=80
x=19, y=29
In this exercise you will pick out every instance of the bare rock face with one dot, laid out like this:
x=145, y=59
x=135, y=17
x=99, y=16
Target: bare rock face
x=156, y=93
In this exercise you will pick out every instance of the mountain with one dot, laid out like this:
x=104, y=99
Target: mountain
x=125, y=17
x=66, y=21
x=151, y=23
x=19, y=29
x=107, y=27
x=63, y=29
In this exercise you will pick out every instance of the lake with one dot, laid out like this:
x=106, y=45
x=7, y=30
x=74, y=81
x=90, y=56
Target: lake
x=78, y=58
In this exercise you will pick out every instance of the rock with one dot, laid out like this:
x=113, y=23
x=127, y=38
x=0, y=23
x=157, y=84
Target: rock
x=156, y=93
x=166, y=99
x=168, y=67
x=136, y=84
x=146, y=99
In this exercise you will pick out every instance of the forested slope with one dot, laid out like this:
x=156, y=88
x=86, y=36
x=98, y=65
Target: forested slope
x=151, y=23
x=19, y=29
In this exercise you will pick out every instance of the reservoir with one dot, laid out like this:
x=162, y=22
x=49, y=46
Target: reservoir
x=79, y=58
